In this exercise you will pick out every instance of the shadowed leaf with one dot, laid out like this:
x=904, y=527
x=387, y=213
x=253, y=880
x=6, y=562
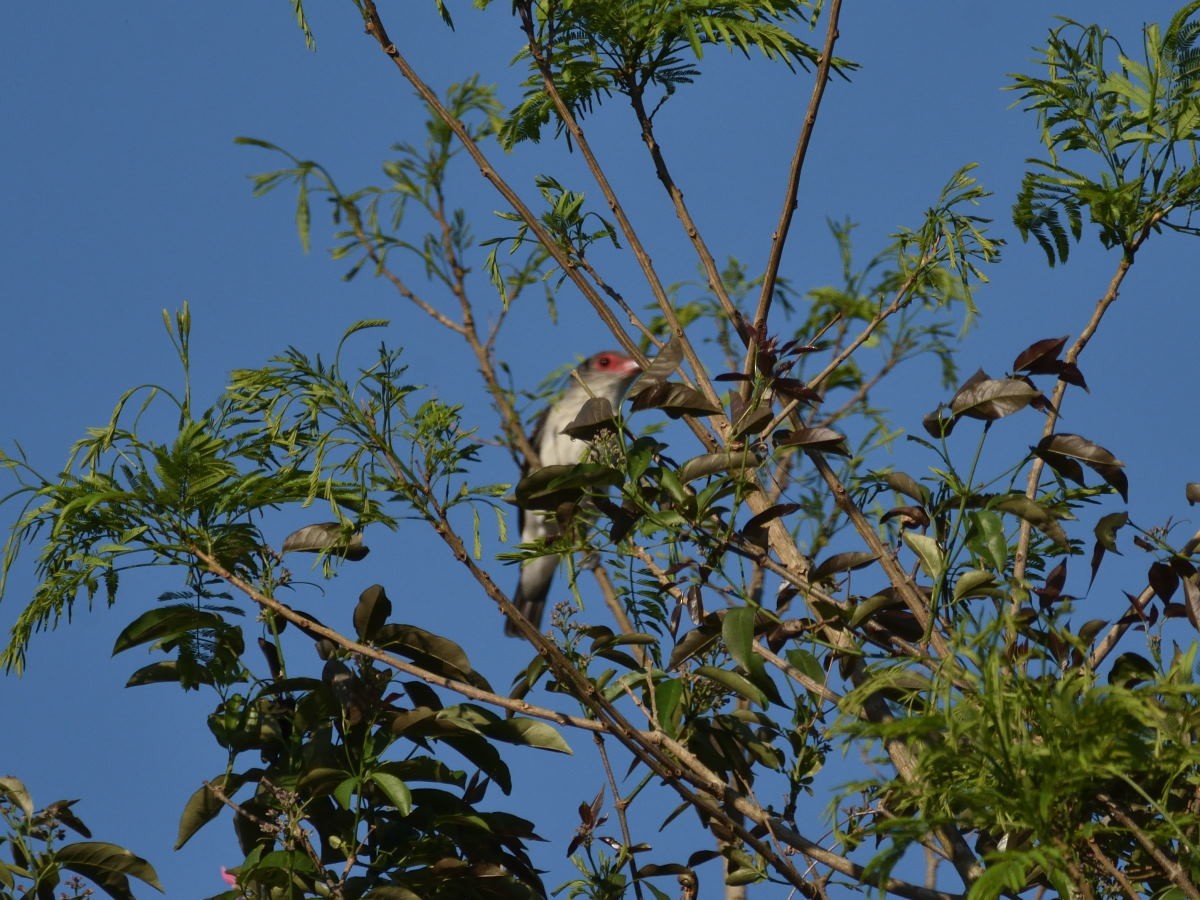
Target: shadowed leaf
x=664, y=365
x=326, y=537
x=674, y=399
x=841, y=562
x=1106, y=538
x=108, y=865
x=992, y=398
x=735, y=462
x=1163, y=579
x=595, y=418
x=550, y=487
x=371, y=611
x=1036, y=515
x=825, y=440
x=1064, y=452
x=905, y=484
x=1040, y=357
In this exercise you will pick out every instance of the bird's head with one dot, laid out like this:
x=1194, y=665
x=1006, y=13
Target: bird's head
x=611, y=363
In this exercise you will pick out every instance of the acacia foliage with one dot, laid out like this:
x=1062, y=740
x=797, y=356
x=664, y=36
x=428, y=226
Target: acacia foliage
x=773, y=591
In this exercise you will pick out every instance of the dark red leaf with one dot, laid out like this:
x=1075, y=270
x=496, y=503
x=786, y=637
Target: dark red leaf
x=1039, y=357
x=794, y=389
x=825, y=440
x=1163, y=580
x=595, y=417
x=1071, y=375
x=908, y=516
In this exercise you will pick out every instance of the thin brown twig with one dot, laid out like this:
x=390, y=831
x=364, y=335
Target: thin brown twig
x=1170, y=868
x=565, y=115
x=1116, y=874
x=780, y=236
x=1137, y=606
x=619, y=806
x=376, y=28
x=1021, y=558
x=467, y=690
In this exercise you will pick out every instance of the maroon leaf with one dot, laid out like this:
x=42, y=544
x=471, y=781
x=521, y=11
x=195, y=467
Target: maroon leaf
x=664, y=365
x=1163, y=579
x=938, y=425
x=826, y=440
x=595, y=417
x=1052, y=591
x=795, y=389
x=1040, y=357
x=1069, y=372
x=1191, y=598
x=772, y=512
x=675, y=400
x=748, y=418
x=908, y=516
x=1064, y=452
x=842, y=562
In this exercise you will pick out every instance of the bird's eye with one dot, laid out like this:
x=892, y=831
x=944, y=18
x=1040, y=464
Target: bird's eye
x=603, y=361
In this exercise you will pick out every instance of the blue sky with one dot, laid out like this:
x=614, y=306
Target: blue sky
x=124, y=195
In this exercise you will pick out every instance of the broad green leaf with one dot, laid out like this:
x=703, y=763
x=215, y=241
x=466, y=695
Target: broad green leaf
x=1036, y=515
x=933, y=558
x=667, y=696
x=14, y=791
x=396, y=791
x=165, y=623
x=733, y=682
x=108, y=865
x=529, y=733
x=203, y=806
x=974, y=583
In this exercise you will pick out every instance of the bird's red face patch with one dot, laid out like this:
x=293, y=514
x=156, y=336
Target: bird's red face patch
x=612, y=361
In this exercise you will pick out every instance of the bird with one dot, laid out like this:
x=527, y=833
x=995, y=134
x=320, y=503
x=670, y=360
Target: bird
x=605, y=375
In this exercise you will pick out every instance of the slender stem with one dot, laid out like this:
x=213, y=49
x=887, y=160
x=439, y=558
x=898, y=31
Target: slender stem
x=1138, y=606
x=1168, y=866
x=467, y=690
x=376, y=28
x=780, y=236
x=620, y=804
x=569, y=121
x=1021, y=559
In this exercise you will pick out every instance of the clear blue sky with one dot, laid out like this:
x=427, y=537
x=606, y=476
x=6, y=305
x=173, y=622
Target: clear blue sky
x=124, y=194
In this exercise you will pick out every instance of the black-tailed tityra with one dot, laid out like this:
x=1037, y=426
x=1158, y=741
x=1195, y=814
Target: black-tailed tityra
x=607, y=375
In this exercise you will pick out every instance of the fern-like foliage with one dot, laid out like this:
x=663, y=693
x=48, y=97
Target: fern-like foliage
x=593, y=48
x=1137, y=120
